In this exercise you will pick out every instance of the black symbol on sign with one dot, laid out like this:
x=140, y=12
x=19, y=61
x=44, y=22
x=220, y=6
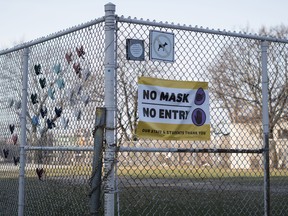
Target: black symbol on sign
x=162, y=46
x=200, y=97
x=198, y=117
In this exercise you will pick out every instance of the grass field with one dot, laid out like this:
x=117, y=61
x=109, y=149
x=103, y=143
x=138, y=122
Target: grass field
x=150, y=191
x=200, y=191
x=44, y=198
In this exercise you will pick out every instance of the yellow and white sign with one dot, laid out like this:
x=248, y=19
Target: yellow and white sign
x=173, y=110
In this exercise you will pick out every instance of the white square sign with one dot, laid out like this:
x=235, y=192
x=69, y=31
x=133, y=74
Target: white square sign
x=161, y=46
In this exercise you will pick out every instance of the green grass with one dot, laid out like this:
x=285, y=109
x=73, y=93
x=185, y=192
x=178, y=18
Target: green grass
x=44, y=197
x=200, y=191
x=50, y=171
x=174, y=201
x=156, y=201
x=149, y=191
x=192, y=172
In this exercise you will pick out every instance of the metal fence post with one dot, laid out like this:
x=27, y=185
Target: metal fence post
x=95, y=201
x=21, y=193
x=265, y=119
x=110, y=105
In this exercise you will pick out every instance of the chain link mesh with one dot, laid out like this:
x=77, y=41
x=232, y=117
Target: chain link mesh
x=65, y=85
x=277, y=67
x=223, y=176
x=10, y=92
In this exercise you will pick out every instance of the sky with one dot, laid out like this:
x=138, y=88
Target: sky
x=26, y=20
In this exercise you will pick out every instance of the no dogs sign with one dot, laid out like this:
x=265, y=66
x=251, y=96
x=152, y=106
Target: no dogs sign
x=173, y=110
x=161, y=46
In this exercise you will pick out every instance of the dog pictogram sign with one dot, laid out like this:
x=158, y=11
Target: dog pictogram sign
x=161, y=46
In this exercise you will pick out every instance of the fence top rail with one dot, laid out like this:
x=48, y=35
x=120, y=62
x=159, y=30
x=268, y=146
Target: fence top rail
x=201, y=29
x=144, y=22
x=52, y=36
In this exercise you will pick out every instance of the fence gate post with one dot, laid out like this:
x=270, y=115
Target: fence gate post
x=110, y=105
x=265, y=119
x=95, y=200
x=21, y=192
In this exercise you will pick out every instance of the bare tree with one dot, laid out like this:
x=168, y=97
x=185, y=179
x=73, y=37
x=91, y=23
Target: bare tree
x=237, y=75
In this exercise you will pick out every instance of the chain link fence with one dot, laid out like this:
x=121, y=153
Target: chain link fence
x=226, y=175
x=65, y=85
x=67, y=79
